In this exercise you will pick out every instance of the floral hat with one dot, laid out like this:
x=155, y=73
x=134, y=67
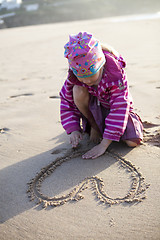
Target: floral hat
x=84, y=54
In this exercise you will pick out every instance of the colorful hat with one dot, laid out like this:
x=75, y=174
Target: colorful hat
x=84, y=54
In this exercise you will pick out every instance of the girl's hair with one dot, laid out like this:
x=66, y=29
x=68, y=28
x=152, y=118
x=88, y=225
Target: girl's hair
x=106, y=47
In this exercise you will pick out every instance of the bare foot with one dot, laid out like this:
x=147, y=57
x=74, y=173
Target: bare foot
x=95, y=136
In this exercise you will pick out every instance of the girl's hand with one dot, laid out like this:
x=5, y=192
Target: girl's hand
x=75, y=138
x=98, y=150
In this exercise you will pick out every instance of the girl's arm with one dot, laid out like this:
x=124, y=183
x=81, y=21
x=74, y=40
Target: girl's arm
x=116, y=120
x=119, y=99
x=70, y=116
x=69, y=113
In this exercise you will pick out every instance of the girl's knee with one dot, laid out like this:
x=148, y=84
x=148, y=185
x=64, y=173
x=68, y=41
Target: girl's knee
x=131, y=143
x=80, y=94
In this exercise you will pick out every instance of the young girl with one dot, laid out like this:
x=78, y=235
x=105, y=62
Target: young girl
x=96, y=91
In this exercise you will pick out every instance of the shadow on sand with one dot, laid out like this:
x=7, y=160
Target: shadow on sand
x=14, y=178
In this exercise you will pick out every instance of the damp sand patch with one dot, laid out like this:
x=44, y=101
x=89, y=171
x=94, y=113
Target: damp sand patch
x=136, y=188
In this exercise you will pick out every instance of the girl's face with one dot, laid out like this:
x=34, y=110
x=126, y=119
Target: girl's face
x=92, y=80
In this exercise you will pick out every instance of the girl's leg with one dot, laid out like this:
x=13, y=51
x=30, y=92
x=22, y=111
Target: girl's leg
x=133, y=134
x=81, y=100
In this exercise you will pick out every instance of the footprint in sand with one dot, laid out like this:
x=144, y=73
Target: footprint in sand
x=112, y=222
x=23, y=94
x=152, y=134
x=147, y=124
x=153, y=139
x=54, y=97
x=4, y=130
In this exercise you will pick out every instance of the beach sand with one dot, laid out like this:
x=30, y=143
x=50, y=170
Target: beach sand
x=32, y=72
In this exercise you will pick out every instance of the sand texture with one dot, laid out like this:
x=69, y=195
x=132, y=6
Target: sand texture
x=136, y=193
x=115, y=196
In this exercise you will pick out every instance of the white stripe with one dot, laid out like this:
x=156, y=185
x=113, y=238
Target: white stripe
x=67, y=123
x=115, y=120
x=115, y=126
x=106, y=106
x=66, y=119
x=112, y=133
x=115, y=94
x=64, y=113
x=119, y=96
x=69, y=96
x=116, y=114
x=69, y=89
x=104, y=85
x=68, y=81
x=114, y=90
x=65, y=87
x=62, y=94
x=118, y=103
x=102, y=88
x=118, y=109
x=63, y=105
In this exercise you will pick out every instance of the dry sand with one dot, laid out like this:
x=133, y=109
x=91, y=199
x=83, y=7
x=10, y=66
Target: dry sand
x=32, y=72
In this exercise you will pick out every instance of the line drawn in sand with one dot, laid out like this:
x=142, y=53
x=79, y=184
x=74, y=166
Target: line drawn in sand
x=136, y=193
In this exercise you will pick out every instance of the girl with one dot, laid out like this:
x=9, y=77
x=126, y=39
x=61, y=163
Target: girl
x=96, y=91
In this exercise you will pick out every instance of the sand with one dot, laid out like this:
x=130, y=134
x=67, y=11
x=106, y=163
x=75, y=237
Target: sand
x=31, y=137
x=137, y=191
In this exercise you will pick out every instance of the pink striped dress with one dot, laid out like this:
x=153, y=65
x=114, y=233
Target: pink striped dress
x=111, y=95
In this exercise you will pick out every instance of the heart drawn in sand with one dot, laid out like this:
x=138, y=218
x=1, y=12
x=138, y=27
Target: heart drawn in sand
x=135, y=194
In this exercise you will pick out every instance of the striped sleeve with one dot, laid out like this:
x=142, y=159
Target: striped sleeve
x=116, y=121
x=70, y=115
